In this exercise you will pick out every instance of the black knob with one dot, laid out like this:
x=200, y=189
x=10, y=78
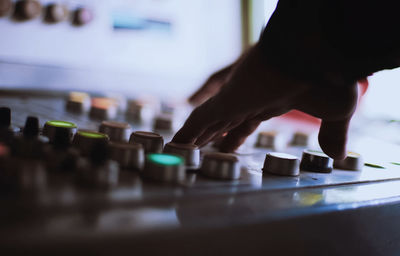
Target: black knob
x=100, y=152
x=56, y=13
x=5, y=117
x=27, y=9
x=31, y=128
x=82, y=16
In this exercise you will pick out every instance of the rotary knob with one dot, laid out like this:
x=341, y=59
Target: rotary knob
x=221, y=166
x=5, y=7
x=316, y=161
x=78, y=102
x=103, y=109
x=163, y=123
x=300, y=139
x=134, y=111
x=56, y=13
x=128, y=155
x=152, y=142
x=5, y=117
x=59, y=132
x=281, y=164
x=165, y=168
x=353, y=162
x=266, y=140
x=27, y=9
x=189, y=152
x=85, y=140
x=117, y=131
x=82, y=16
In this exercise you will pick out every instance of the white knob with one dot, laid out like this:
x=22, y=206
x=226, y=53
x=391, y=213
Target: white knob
x=190, y=152
x=353, y=162
x=221, y=166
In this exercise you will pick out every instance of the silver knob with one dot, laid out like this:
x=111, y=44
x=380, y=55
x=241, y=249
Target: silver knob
x=152, y=142
x=190, y=152
x=165, y=168
x=353, y=162
x=281, y=164
x=117, y=131
x=86, y=140
x=316, y=161
x=221, y=166
x=128, y=155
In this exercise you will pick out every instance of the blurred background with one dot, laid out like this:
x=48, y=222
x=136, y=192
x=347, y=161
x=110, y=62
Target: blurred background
x=162, y=47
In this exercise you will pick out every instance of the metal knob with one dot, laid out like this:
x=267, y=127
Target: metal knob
x=316, y=161
x=152, y=142
x=128, y=155
x=163, y=123
x=281, y=164
x=117, y=131
x=189, y=152
x=266, y=140
x=221, y=166
x=353, y=162
x=300, y=139
x=164, y=168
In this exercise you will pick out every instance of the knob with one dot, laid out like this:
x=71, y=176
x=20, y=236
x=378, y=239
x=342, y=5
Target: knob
x=316, y=161
x=221, y=166
x=152, y=142
x=134, y=111
x=103, y=109
x=59, y=132
x=86, y=140
x=117, y=131
x=78, y=102
x=266, y=140
x=189, y=152
x=5, y=117
x=82, y=16
x=165, y=168
x=128, y=155
x=27, y=9
x=300, y=139
x=5, y=7
x=56, y=13
x=31, y=128
x=353, y=162
x=281, y=164
x=163, y=123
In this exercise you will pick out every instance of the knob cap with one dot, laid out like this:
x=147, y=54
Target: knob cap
x=316, y=161
x=165, y=168
x=59, y=132
x=56, y=13
x=266, y=140
x=152, y=142
x=221, y=166
x=189, y=152
x=82, y=16
x=281, y=164
x=163, y=123
x=78, y=102
x=134, y=111
x=128, y=155
x=5, y=7
x=353, y=162
x=103, y=109
x=31, y=128
x=117, y=131
x=86, y=140
x=300, y=139
x=27, y=9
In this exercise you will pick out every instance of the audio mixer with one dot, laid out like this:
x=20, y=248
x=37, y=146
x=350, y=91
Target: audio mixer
x=84, y=173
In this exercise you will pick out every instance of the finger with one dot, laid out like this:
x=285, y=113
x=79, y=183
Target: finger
x=211, y=86
x=333, y=137
x=211, y=132
x=238, y=135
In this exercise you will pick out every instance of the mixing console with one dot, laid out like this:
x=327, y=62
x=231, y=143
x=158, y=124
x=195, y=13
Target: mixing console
x=76, y=170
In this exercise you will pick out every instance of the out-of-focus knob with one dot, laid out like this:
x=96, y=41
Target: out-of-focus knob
x=82, y=16
x=27, y=9
x=78, y=102
x=353, y=162
x=316, y=161
x=165, y=168
x=31, y=128
x=134, y=111
x=281, y=164
x=300, y=139
x=163, y=123
x=266, y=140
x=189, y=152
x=56, y=13
x=5, y=7
x=59, y=132
x=117, y=131
x=221, y=166
x=152, y=142
x=128, y=155
x=5, y=117
x=103, y=109
x=86, y=140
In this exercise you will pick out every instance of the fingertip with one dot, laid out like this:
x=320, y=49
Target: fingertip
x=333, y=138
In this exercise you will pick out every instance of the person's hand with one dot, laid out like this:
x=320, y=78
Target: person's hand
x=255, y=92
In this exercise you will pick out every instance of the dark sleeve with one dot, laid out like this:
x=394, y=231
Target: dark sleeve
x=333, y=40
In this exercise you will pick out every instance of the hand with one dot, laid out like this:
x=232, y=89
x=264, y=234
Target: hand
x=255, y=92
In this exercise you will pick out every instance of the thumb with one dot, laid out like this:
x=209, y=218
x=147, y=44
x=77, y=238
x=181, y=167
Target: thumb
x=333, y=137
